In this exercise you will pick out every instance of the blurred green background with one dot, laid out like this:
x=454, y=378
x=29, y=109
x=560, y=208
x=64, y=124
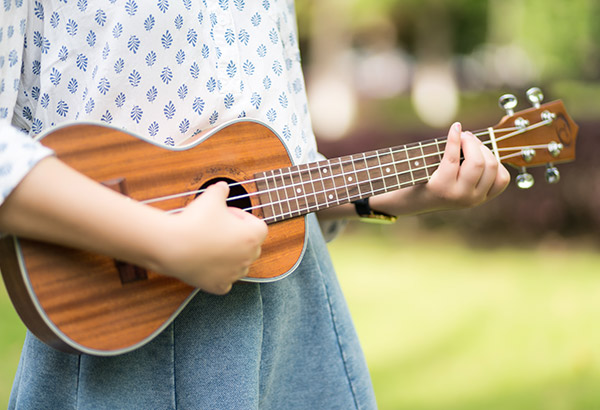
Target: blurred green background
x=487, y=308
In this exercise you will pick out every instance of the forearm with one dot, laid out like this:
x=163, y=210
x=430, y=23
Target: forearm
x=56, y=204
x=407, y=201
x=207, y=245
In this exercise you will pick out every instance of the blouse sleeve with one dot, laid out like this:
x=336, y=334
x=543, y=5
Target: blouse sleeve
x=18, y=152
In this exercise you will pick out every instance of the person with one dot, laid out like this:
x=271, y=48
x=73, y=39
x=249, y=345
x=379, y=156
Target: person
x=166, y=70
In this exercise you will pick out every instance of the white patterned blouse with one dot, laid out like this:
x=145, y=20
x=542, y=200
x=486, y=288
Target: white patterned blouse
x=164, y=69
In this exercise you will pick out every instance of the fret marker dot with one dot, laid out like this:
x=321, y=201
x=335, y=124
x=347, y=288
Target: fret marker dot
x=330, y=196
x=324, y=170
x=299, y=190
x=417, y=163
x=349, y=178
x=388, y=170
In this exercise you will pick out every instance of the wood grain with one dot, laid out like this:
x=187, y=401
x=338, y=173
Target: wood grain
x=82, y=304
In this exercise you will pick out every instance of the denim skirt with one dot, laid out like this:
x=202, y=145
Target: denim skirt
x=289, y=344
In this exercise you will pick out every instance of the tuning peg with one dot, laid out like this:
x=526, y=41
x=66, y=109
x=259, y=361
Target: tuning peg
x=535, y=96
x=555, y=148
x=552, y=174
x=524, y=179
x=528, y=154
x=508, y=102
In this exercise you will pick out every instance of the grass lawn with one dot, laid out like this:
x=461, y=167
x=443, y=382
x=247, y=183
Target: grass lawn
x=446, y=326
x=12, y=333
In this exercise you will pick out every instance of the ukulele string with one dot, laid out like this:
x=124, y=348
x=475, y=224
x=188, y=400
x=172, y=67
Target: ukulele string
x=511, y=132
x=345, y=199
x=309, y=208
x=387, y=188
x=305, y=195
x=312, y=168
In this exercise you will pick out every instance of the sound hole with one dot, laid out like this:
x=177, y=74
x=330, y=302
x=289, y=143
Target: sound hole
x=241, y=199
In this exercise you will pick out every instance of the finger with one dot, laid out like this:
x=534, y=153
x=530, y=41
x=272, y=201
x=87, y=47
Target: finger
x=257, y=225
x=223, y=289
x=217, y=192
x=472, y=167
x=214, y=196
x=500, y=183
x=490, y=171
x=451, y=160
x=257, y=254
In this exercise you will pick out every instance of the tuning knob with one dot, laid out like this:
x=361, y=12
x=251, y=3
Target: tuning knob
x=535, y=96
x=552, y=174
x=524, y=179
x=508, y=102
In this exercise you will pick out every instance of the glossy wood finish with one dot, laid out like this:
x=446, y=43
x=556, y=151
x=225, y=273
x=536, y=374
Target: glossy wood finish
x=562, y=130
x=75, y=300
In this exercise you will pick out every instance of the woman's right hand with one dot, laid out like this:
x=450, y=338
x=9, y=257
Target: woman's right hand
x=209, y=245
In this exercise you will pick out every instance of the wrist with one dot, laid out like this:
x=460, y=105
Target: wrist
x=406, y=201
x=367, y=214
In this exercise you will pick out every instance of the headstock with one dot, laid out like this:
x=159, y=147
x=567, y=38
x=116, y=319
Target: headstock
x=542, y=135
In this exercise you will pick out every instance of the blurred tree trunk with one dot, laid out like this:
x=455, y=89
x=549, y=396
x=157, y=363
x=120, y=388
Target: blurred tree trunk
x=330, y=85
x=433, y=33
x=434, y=91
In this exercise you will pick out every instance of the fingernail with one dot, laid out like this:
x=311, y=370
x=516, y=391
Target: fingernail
x=457, y=126
x=470, y=134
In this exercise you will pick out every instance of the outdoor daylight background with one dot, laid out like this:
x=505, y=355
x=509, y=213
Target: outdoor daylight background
x=496, y=307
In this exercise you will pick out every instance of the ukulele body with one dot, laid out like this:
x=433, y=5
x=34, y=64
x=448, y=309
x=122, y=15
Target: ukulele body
x=78, y=301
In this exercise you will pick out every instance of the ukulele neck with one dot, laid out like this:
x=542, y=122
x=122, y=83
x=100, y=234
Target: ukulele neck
x=290, y=192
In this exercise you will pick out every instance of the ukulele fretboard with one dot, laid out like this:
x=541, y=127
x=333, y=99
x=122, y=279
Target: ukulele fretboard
x=289, y=192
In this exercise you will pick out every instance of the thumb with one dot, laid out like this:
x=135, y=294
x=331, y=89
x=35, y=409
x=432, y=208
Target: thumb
x=214, y=196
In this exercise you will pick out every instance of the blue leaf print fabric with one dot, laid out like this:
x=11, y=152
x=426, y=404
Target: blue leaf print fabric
x=164, y=69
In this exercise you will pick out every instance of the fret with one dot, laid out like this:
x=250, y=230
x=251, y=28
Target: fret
x=265, y=196
x=402, y=164
x=432, y=158
x=367, y=165
x=299, y=190
x=424, y=160
x=318, y=186
x=326, y=179
x=391, y=164
x=282, y=197
x=361, y=176
x=277, y=197
x=378, y=184
x=384, y=168
x=307, y=187
x=412, y=176
x=334, y=186
x=288, y=183
x=440, y=151
x=416, y=163
x=350, y=179
x=340, y=182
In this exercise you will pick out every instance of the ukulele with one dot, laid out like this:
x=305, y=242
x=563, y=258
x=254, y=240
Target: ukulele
x=80, y=302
